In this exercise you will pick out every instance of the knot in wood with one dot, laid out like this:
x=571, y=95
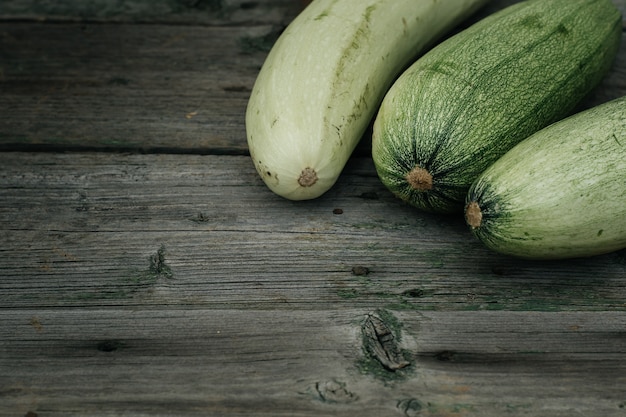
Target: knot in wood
x=381, y=344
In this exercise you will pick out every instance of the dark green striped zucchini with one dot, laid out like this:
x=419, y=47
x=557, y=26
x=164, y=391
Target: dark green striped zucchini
x=561, y=193
x=473, y=97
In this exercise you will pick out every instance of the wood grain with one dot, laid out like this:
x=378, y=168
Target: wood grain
x=183, y=361
x=121, y=87
x=145, y=269
x=148, y=87
x=183, y=12
x=97, y=223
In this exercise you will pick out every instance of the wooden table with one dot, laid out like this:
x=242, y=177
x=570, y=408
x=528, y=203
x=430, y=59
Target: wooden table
x=146, y=270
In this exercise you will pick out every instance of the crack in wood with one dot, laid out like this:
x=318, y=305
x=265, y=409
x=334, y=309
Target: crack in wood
x=158, y=267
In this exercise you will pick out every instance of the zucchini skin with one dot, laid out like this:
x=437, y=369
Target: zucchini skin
x=323, y=80
x=560, y=193
x=474, y=96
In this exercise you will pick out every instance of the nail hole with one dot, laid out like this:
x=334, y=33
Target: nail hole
x=360, y=270
x=415, y=293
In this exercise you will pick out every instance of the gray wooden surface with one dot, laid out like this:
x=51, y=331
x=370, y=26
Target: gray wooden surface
x=145, y=269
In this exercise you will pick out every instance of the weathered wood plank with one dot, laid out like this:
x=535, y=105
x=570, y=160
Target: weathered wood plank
x=167, y=88
x=146, y=87
x=179, y=285
x=197, y=12
x=93, y=229
x=169, y=361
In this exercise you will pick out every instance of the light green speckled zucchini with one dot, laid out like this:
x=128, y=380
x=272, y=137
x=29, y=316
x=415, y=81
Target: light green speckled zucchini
x=323, y=81
x=560, y=193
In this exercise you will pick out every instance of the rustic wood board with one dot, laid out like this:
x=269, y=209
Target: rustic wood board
x=185, y=12
x=148, y=87
x=97, y=222
x=146, y=270
x=176, y=284
x=182, y=361
x=125, y=87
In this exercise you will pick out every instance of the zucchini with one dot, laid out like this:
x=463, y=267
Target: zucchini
x=474, y=96
x=560, y=193
x=322, y=82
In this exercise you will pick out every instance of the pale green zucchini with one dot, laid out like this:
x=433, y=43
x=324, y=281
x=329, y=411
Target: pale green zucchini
x=323, y=81
x=474, y=96
x=561, y=193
